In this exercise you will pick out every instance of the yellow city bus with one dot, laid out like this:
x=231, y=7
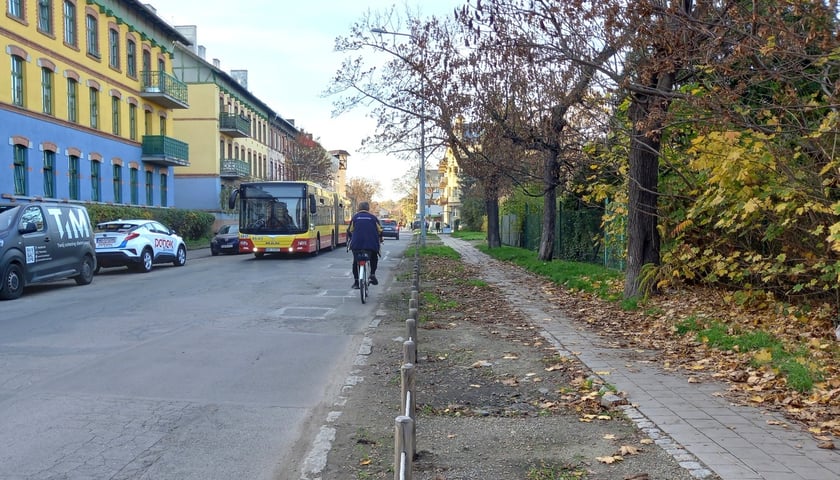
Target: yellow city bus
x=289, y=217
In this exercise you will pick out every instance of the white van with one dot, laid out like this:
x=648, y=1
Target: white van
x=42, y=242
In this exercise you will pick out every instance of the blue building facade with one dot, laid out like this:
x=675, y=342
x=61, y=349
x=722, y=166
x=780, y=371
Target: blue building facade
x=86, y=102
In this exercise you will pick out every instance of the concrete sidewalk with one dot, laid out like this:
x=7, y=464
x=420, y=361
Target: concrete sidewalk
x=705, y=433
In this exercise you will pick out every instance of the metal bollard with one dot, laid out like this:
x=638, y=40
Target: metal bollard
x=409, y=351
x=411, y=334
x=412, y=313
x=403, y=448
x=408, y=403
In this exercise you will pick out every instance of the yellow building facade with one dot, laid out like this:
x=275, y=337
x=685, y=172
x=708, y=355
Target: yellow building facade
x=87, y=98
x=449, y=189
x=233, y=135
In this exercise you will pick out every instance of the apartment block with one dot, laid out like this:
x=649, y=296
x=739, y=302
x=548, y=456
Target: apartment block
x=86, y=103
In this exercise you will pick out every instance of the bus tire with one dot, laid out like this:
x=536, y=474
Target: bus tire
x=317, y=245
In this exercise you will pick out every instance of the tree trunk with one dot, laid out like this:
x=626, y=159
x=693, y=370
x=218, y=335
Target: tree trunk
x=551, y=170
x=643, y=240
x=491, y=205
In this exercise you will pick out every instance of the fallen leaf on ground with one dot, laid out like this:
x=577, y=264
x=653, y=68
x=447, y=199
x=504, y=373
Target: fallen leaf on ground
x=610, y=459
x=628, y=450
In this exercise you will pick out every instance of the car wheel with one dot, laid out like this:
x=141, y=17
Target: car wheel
x=397, y=237
x=85, y=275
x=12, y=282
x=213, y=251
x=146, y=261
x=258, y=254
x=181, y=259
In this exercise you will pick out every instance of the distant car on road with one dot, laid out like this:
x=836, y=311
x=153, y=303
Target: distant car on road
x=390, y=228
x=226, y=240
x=138, y=244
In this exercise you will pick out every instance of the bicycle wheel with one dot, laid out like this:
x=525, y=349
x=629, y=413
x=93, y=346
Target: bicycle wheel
x=363, y=281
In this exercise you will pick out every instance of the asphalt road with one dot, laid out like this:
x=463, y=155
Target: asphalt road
x=220, y=369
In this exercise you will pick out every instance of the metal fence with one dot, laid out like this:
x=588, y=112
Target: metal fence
x=579, y=235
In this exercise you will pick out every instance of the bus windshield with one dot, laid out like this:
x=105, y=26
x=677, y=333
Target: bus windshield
x=273, y=209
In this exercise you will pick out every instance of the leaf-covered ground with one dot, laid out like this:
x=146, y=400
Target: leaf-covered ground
x=752, y=379
x=495, y=400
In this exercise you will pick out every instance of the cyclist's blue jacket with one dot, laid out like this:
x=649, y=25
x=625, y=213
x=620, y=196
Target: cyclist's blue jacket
x=364, y=231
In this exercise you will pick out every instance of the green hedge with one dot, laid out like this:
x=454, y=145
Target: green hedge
x=190, y=224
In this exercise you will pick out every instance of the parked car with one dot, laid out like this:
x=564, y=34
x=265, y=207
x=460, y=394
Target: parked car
x=42, y=242
x=390, y=228
x=138, y=244
x=226, y=240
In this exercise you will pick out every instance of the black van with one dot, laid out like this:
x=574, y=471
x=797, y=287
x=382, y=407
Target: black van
x=42, y=242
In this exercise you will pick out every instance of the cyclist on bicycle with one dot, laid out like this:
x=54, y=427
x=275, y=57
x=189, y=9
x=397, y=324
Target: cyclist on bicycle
x=365, y=234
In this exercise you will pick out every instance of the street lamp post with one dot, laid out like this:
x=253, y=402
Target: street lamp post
x=421, y=196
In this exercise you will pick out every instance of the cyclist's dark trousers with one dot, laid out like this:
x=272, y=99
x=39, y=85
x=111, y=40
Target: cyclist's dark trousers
x=374, y=262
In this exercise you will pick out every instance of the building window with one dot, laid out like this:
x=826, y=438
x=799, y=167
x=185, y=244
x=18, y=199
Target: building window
x=163, y=191
x=115, y=115
x=15, y=8
x=131, y=58
x=49, y=174
x=47, y=90
x=95, y=181
x=45, y=16
x=92, y=29
x=162, y=125
x=72, y=100
x=75, y=175
x=132, y=121
x=118, y=184
x=94, y=108
x=134, y=179
x=147, y=122
x=149, y=189
x=20, y=170
x=114, y=48
x=17, y=81
x=70, y=36
x=147, y=67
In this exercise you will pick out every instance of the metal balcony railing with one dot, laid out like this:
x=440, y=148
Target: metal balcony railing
x=164, y=89
x=234, y=125
x=165, y=150
x=233, y=168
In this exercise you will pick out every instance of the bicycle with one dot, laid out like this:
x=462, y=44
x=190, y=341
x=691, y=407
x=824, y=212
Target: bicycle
x=362, y=257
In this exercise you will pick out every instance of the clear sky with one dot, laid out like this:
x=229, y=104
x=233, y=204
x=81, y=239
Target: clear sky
x=288, y=49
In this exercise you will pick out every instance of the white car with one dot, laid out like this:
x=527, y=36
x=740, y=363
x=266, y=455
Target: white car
x=138, y=244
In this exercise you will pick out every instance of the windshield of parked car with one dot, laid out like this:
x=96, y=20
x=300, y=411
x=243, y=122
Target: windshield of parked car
x=115, y=227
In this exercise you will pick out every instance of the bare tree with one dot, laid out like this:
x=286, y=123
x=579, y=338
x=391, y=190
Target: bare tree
x=536, y=63
x=361, y=190
x=312, y=162
x=419, y=98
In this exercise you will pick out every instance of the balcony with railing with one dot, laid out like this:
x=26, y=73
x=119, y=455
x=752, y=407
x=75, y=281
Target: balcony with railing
x=166, y=151
x=164, y=89
x=234, y=168
x=234, y=125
